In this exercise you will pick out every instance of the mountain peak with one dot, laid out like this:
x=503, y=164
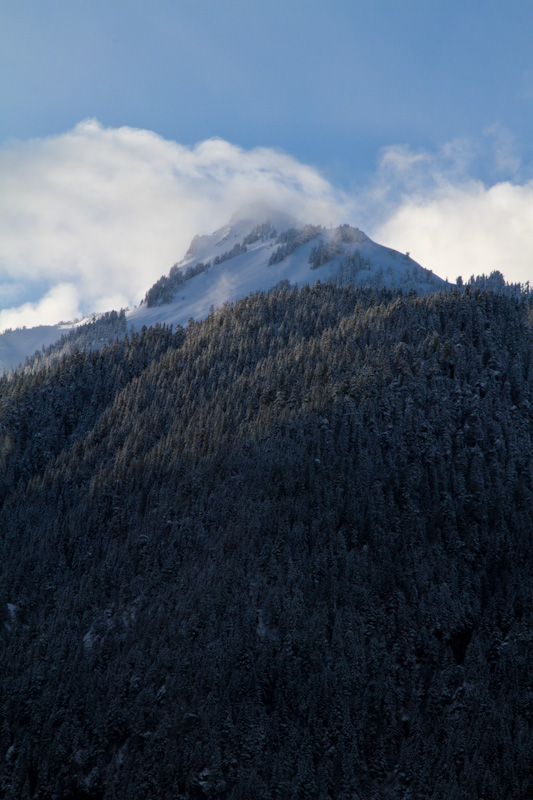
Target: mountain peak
x=261, y=247
x=258, y=249
x=240, y=225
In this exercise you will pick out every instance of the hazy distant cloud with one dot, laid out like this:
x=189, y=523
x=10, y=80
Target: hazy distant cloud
x=406, y=175
x=507, y=160
x=427, y=204
x=527, y=85
x=106, y=212
x=61, y=303
x=10, y=293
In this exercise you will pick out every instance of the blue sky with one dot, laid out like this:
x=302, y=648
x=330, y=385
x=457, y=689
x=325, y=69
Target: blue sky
x=414, y=113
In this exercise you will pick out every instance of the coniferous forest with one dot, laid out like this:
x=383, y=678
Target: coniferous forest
x=283, y=553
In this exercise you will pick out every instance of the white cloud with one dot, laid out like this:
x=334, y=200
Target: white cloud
x=449, y=222
x=96, y=215
x=59, y=304
x=506, y=158
x=108, y=211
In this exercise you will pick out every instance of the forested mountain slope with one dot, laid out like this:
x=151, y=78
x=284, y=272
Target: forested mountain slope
x=286, y=553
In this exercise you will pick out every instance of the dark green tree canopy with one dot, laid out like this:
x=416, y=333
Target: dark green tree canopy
x=284, y=553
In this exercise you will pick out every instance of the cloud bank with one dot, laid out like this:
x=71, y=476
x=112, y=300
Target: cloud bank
x=427, y=204
x=91, y=218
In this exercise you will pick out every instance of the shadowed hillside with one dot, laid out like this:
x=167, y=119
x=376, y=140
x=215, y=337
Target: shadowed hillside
x=286, y=553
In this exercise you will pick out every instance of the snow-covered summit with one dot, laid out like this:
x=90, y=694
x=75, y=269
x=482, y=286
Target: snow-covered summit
x=261, y=248
x=240, y=225
x=258, y=249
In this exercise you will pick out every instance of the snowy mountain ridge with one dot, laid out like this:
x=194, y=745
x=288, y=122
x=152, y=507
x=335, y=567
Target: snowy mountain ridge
x=258, y=249
x=256, y=253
